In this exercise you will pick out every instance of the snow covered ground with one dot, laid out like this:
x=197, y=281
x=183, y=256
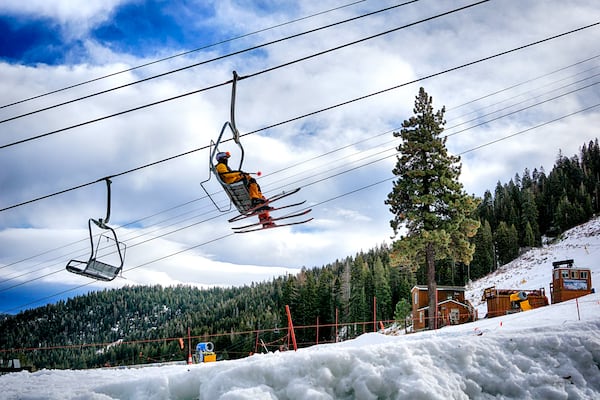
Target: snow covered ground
x=547, y=353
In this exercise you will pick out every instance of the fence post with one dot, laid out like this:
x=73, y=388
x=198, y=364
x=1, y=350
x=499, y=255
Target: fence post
x=189, y=346
x=291, y=326
x=336, y=325
x=374, y=314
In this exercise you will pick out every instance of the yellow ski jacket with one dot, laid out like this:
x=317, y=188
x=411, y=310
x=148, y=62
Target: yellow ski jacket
x=227, y=175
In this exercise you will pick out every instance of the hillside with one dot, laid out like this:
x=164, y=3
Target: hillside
x=532, y=270
x=550, y=352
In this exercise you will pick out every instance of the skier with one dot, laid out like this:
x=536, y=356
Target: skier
x=229, y=176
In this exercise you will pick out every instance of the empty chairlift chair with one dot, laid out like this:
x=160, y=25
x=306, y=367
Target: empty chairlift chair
x=109, y=264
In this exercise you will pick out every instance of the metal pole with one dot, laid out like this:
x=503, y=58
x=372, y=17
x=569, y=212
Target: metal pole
x=189, y=346
x=291, y=327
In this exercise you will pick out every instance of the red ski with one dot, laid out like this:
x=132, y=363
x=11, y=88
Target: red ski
x=270, y=224
x=256, y=210
x=271, y=220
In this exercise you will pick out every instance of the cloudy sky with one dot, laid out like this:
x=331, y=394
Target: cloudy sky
x=136, y=90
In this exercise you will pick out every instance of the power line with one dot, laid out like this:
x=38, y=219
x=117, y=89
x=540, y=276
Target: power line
x=313, y=205
x=205, y=62
x=171, y=254
x=529, y=91
x=241, y=77
x=519, y=110
x=186, y=249
x=282, y=122
x=329, y=170
x=524, y=82
x=328, y=153
x=182, y=54
x=354, y=144
x=340, y=173
x=530, y=129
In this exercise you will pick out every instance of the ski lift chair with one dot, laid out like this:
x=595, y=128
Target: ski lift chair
x=100, y=269
x=238, y=191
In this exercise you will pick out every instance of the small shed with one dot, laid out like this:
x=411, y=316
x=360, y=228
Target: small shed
x=507, y=301
x=452, y=307
x=568, y=282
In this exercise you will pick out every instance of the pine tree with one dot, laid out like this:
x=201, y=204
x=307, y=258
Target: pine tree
x=529, y=217
x=358, y=305
x=427, y=199
x=528, y=237
x=382, y=290
x=402, y=310
x=483, y=258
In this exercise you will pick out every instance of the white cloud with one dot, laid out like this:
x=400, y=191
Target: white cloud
x=75, y=17
x=167, y=197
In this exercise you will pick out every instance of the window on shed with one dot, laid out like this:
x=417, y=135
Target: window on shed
x=574, y=274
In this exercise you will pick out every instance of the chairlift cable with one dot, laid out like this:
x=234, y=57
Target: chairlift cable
x=514, y=111
x=248, y=49
x=317, y=204
x=464, y=152
x=523, y=83
x=530, y=92
x=529, y=129
x=203, y=197
x=230, y=81
x=182, y=54
x=203, y=221
x=279, y=123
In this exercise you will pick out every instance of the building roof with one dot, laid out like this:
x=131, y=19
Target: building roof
x=448, y=301
x=439, y=287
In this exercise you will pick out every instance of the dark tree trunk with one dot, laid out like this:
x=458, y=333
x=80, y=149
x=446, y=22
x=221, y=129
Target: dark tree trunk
x=431, y=286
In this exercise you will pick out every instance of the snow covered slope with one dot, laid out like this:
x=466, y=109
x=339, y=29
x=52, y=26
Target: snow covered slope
x=547, y=353
x=533, y=270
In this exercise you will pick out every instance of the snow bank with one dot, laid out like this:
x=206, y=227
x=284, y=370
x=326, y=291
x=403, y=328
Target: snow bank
x=544, y=353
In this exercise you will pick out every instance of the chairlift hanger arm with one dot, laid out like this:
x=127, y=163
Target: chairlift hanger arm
x=102, y=222
x=232, y=126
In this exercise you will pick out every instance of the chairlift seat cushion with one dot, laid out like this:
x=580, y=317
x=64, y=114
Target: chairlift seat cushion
x=239, y=195
x=95, y=269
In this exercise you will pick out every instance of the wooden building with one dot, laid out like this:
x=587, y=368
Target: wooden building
x=452, y=307
x=506, y=301
x=568, y=282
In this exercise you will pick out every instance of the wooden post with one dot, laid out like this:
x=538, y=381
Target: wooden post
x=317, y=342
x=256, y=343
x=336, y=325
x=189, y=346
x=291, y=327
x=374, y=314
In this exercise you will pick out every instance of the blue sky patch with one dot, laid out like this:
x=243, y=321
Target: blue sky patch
x=142, y=29
x=30, y=41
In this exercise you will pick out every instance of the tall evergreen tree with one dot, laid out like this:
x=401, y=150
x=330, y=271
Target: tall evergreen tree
x=529, y=219
x=358, y=307
x=483, y=258
x=427, y=198
x=382, y=290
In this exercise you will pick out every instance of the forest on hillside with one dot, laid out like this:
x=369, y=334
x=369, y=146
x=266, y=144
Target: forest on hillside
x=144, y=324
